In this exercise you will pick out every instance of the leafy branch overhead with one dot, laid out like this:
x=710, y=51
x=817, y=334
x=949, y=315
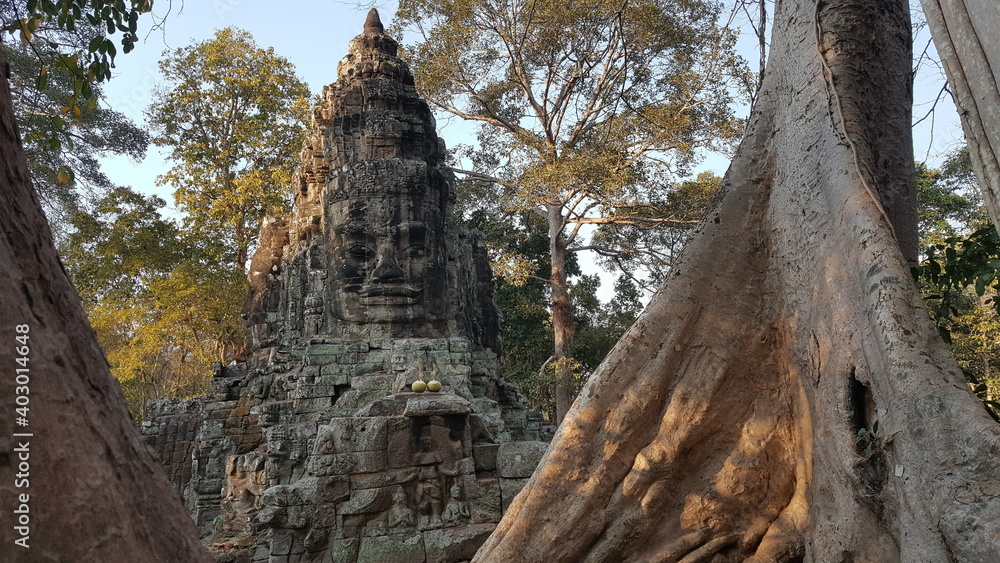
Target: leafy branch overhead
x=65, y=136
x=106, y=18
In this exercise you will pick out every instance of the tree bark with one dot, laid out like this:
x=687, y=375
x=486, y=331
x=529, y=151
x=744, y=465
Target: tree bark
x=724, y=425
x=562, y=315
x=94, y=490
x=965, y=33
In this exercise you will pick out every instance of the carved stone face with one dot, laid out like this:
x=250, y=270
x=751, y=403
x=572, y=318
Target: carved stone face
x=388, y=260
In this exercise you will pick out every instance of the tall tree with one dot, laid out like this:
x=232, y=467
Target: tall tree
x=960, y=271
x=586, y=108
x=785, y=396
x=519, y=258
x=232, y=115
x=948, y=201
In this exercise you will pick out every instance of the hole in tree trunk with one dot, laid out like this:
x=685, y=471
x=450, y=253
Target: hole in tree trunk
x=861, y=404
x=872, y=470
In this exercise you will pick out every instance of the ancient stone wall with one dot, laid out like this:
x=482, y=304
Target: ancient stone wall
x=316, y=449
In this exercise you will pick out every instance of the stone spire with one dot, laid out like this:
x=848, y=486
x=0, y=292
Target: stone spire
x=373, y=24
x=373, y=47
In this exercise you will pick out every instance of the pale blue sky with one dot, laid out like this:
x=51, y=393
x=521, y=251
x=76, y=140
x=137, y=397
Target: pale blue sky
x=313, y=35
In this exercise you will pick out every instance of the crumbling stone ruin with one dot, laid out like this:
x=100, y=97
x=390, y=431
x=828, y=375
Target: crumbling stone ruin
x=316, y=449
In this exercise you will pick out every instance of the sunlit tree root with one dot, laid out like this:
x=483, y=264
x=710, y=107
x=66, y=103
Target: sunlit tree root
x=724, y=425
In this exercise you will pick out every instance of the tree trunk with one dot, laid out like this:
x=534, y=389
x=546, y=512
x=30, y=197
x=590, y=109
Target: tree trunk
x=562, y=316
x=965, y=33
x=94, y=490
x=724, y=425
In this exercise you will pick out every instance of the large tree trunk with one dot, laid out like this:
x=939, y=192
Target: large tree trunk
x=965, y=33
x=94, y=490
x=724, y=424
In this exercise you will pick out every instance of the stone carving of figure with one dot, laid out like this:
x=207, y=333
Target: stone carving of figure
x=401, y=514
x=456, y=510
x=430, y=502
x=388, y=259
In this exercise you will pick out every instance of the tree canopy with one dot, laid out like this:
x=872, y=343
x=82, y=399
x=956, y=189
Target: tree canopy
x=232, y=116
x=165, y=295
x=586, y=110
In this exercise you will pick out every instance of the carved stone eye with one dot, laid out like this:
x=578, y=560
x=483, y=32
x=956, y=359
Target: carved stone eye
x=415, y=251
x=360, y=252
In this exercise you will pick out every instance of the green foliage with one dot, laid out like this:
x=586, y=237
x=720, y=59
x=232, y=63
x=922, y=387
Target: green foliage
x=162, y=307
x=64, y=134
x=101, y=19
x=960, y=273
x=948, y=200
x=164, y=297
x=523, y=298
x=232, y=116
x=653, y=247
x=866, y=440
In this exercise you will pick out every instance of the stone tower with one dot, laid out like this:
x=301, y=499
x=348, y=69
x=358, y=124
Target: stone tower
x=316, y=450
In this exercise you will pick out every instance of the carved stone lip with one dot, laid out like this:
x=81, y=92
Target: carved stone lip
x=390, y=291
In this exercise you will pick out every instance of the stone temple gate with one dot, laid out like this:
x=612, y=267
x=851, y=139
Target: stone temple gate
x=315, y=449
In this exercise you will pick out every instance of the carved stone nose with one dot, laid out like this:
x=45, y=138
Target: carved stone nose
x=387, y=267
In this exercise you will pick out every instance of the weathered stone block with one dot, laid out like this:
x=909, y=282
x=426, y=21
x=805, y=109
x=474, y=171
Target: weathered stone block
x=366, y=368
x=485, y=500
x=327, y=349
x=346, y=463
x=375, y=381
x=377, y=357
x=427, y=440
x=481, y=367
x=486, y=427
x=366, y=501
x=485, y=405
x=211, y=429
x=485, y=456
x=517, y=460
x=455, y=544
x=393, y=405
x=386, y=479
x=281, y=544
x=336, y=374
x=437, y=405
x=509, y=489
x=351, y=435
x=309, y=491
x=325, y=359
x=392, y=549
x=458, y=369
x=459, y=467
x=343, y=551
x=459, y=358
